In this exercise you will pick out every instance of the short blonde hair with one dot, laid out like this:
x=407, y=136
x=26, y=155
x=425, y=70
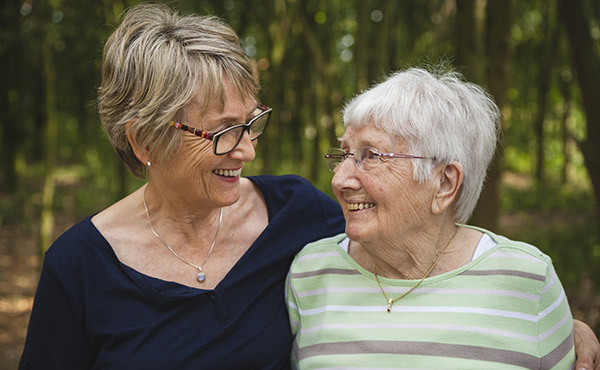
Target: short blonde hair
x=153, y=64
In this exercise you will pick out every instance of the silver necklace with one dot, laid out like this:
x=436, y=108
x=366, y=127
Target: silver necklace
x=201, y=275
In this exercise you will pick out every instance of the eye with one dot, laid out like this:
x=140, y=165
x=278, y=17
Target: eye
x=372, y=154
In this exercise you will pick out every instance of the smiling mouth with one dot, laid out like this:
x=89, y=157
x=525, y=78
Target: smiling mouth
x=228, y=173
x=359, y=206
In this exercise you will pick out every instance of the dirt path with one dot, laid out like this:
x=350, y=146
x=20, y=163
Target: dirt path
x=19, y=272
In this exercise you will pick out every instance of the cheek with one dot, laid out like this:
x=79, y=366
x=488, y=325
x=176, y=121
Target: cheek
x=403, y=194
x=379, y=189
x=415, y=203
x=191, y=157
x=197, y=147
x=379, y=186
x=337, y=194
x=375, y=184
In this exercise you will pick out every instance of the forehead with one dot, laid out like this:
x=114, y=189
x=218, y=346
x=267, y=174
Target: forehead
x=369, y=135
x=231, y=107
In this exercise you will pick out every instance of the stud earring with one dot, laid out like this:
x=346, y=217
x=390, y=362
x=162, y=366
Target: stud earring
x=148, y=164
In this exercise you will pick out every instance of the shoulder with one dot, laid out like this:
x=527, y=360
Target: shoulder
x=83, y=231
x=75, y=248
x=319, y=254
x=516, y=246
x=521, y=247
x=321, y=245
x=284, y=184
x=291, y=188
x=294, y=196
x=516, y=257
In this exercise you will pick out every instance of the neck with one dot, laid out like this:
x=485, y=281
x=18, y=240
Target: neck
x=185, y=223
x=408, y=258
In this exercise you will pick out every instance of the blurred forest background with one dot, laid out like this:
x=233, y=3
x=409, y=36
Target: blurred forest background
x=540, y=59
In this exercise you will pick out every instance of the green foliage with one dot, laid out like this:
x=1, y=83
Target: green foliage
x=561, y=222
x=547, y=198
x=312, y=56
x=570, y=240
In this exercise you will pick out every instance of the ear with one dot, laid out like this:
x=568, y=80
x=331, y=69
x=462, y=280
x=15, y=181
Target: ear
x=142, y=154
x=450, y=178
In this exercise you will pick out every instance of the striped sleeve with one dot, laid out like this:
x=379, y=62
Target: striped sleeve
x=292, y=305
x=295, y=317
x=555, y=325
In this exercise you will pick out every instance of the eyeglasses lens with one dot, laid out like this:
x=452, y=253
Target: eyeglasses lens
x=258, y=125
x=367, y=158
x=230, y=139
x=334, y=157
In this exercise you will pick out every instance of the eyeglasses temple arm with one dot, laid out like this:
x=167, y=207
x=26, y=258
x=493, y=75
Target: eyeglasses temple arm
x=195, y=131
x=400, y=155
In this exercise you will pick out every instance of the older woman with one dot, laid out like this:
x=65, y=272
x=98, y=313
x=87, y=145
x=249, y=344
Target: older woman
x=409, y=285
x=188, y=271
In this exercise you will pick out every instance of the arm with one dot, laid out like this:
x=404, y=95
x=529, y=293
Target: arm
x=555, y=325
x=587, y=347
x=294, y=314
x=56, y=338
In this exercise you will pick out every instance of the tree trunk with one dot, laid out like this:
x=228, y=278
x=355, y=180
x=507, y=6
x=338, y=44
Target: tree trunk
x=499, y=21
x=10, y=90
x=548, y=47
x=383, y=40
x=586, y=64
x=277, y=32
x=50, y=142
x=319, y=77
x=469, y=54
x=361, y=55
x=566, y=95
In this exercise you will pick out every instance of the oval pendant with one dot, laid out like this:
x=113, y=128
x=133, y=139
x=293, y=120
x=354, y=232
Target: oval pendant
x=201, y=277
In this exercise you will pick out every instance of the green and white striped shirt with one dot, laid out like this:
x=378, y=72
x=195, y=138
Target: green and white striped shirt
x=505, y=309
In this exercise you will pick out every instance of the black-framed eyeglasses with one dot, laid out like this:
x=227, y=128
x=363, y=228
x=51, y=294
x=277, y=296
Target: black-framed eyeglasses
x=365, y=157
x=228, y=139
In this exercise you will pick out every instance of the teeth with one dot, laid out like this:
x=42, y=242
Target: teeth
x=228, y=173
x=359, y=206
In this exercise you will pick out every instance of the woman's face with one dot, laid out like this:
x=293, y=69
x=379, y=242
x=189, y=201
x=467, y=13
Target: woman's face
x=195, y=172
x=383, y=202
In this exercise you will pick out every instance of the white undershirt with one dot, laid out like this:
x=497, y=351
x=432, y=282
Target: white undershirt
x=485, y=244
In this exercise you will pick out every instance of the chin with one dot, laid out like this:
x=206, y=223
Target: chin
x=356, y=233
x=228, y=199
x=232, y=201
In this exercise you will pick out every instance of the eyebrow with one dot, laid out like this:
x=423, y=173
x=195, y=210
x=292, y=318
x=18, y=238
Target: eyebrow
x=249, y=116
x=229, y=121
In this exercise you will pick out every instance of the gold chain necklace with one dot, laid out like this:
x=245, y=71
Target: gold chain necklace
x=201, y=275
x=391, y=301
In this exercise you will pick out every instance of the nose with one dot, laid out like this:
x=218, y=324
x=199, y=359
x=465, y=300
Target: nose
x=245, y=149
x=345, y=175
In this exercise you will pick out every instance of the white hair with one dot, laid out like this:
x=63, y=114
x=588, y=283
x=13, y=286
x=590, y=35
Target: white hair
x=440, y=115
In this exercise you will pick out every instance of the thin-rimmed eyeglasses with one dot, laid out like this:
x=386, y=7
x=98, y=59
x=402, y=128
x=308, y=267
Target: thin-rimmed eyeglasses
x=365, y=157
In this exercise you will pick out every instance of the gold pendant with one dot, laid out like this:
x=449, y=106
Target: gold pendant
x=390, y=303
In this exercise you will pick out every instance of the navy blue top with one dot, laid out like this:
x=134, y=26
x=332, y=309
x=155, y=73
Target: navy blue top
x=93, y=312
